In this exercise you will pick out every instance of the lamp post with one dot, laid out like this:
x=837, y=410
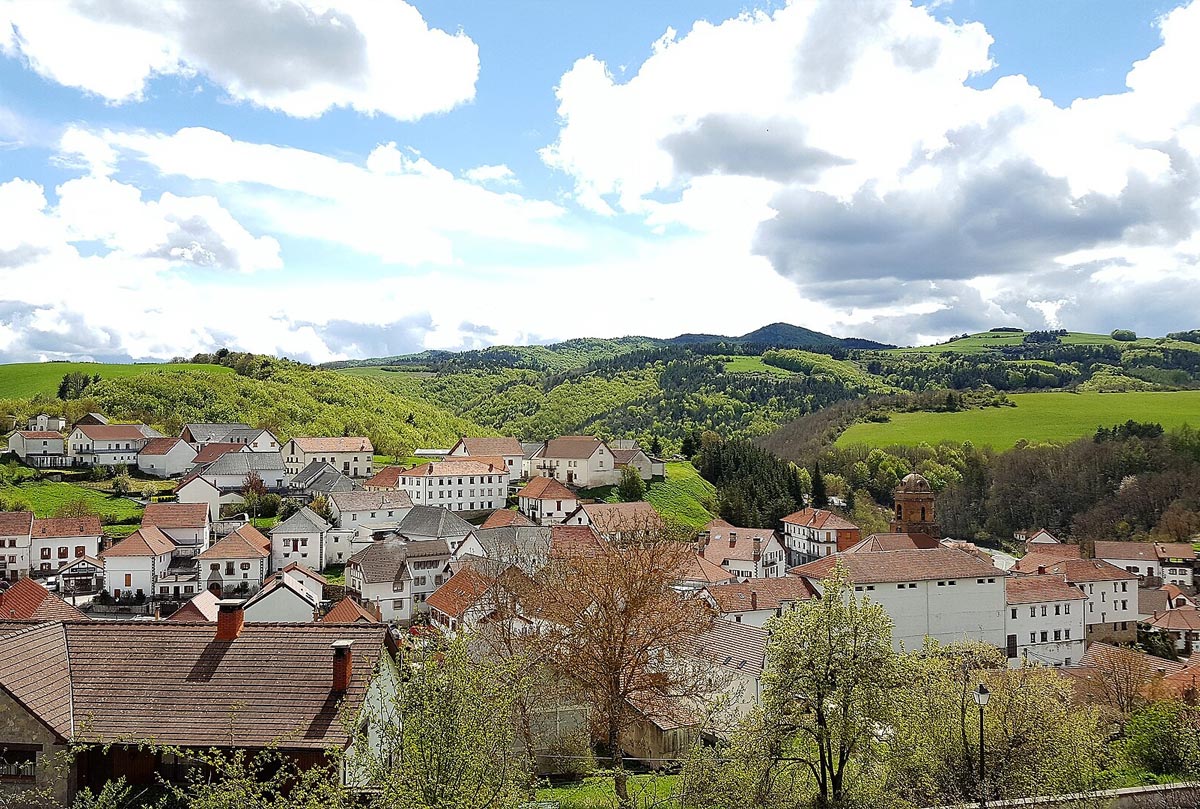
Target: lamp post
x=981, y=695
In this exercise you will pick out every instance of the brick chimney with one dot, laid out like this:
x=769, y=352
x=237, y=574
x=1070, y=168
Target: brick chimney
x=757, y=548
x=1041, y=570
x=230, y=618
x=732, y=539
x=753, y=600
x=700, y=543
x=343, y=664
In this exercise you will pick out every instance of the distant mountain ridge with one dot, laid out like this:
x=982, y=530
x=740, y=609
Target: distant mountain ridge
x=774, y=335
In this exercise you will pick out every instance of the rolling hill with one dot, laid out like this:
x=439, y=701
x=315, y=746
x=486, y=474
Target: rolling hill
x=27, y=379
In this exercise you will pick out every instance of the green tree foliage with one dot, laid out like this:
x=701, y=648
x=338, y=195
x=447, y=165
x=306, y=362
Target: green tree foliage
x=74, y=384
x=1124, y=335
x=755, y=488
x=1164, y=737
x=631, y=487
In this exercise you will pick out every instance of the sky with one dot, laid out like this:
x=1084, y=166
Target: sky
x=333, y=179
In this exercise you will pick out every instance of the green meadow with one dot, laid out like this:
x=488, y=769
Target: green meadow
x=23, y=380
x=1038, y=417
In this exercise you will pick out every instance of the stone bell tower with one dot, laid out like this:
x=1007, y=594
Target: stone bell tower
x=914, y=508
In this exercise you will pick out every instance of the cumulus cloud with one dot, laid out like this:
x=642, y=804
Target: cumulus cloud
x=500, y=175
x=299, y=57
x=883, y=174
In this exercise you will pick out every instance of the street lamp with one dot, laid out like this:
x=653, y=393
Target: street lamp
x=981, y=695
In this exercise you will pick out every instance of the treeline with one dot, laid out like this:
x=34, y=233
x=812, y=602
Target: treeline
x=257, y=366
x=1130, y=481
x=755, y=489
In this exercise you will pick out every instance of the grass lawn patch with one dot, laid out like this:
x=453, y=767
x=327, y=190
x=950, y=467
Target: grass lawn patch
x=264, y=524
x=335, y=574
x=1054, y=417
x=27, y=379
x=46, y=497
x=681, y=495
x=596, y=792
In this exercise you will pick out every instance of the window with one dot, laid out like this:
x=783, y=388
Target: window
x=1033, y=637
x=1043, y=610
x=1033, y=612
x=1044, y=636
x=1066, y=609
x=128, y=579
x=245, y=565
x=1067, y=635
x=1058, y=634
x=941, y=584
x=229, y=568
x=1014, y=613
x=17, y=763
x=45, y=553
x=952, y=583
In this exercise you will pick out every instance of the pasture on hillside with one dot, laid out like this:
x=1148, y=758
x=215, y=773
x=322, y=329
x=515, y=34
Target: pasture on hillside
x=987, y=340
x=682, y=495
x=46, y=497
x=1038, y=417
x=23, y=380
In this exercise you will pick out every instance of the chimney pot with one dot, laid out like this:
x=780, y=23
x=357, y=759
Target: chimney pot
x=732, y=539
x=343, y=664
x=231, y=617
x=1041, y=570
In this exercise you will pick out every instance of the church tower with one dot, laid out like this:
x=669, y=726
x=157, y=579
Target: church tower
x=914, y=508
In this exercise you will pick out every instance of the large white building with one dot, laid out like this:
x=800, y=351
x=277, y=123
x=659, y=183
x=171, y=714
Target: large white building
x=1045, y=622
x=507, y=449
x=134, y=565
x=1112, y=597
x=396, y=575
x=1170, y=562
x=353, y=456
x=58, y=540
x=578, y=460
x=364, y=513
x=166, y=457
x=108, y=444
x=461, y=485
x=748, y=553
x=546, y=501
x=40, y=448
x=944, y=594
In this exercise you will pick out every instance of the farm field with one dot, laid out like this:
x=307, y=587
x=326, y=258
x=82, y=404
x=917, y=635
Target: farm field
x=680, y=496
x=45, y=497
x=1038, y=417
x=26, y=379
x=984, y=341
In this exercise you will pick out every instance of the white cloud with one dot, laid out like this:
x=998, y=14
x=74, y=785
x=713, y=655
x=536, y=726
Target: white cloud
x=500, y=175
x=300, y=57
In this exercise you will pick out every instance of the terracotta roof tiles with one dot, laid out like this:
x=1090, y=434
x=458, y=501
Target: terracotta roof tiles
x=542, y=488
x=503, y=517
x=1038, y=589
x=16, y=523
x=900, y=566
x=349, y=611
x=819, y=518
x=28, y=599
x=68, y=527
x=490, y=446
x=146, y=541
x=353, y=443
x=176, y=515
x=160, y=446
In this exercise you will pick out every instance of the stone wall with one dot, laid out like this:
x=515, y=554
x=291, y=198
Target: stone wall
x=54, y=773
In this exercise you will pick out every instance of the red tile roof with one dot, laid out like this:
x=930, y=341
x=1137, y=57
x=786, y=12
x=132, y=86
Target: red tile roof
x=503, y=517
x=720, y=533
x=609, y=518
x=1077, y=570
x=202, y=609
x=112, y=432
x=1099, y=653
x=490, y=446
x=210, y=452
x=174, y=684
x=1126, y=551
x=244, y=543
x=819, y=518
x=26, y=598
x=768, y=594
x=160, y=446
x=386, y=478
x=900, y=566
x=68, y=527
x=43, y=435
x=1044, y=556
x=894, y=542
x=16, y=523
x=146, y=541
x=176, y=515
x=1180, y=619
x=460, y=592
x=1037, y=589
x=541, y=488
x=574, y=540
x=577, y=447
x=460, y=466
x=352, y=443
x=1175, y=550
x=349, y=611
x=699, y=569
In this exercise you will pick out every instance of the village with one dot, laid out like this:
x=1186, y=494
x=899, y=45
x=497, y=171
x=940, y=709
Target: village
x=453, y=547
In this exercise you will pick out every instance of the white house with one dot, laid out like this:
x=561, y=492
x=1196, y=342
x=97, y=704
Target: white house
x=636, y=458
x=546, y=501
x=580, y=460
x=748, y=553
x=941, y=593
x=300, y=538
x=134, y=565
x=240, y=558
x=201, y=434
x=1171, y=562
x=425, y=522
x=311, y=579
x=509, y=449
x=166, y=457
x=461, y=485
x=286, y=599
x=228, y=472
x=58, y=540
x=16, y=539
x=1181, y=625
x=396, y=576
x=107, y=444
x=186, y=524
x=812, y=533
x=42, y=423
x=1045, y=622
x=1112, y=597
x=615, y=521
x=200, y=491
x=369, y=511
x=40, y=448
x=353, y=456
x=526, y=547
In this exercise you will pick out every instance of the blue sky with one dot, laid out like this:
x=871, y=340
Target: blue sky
x=328, y=183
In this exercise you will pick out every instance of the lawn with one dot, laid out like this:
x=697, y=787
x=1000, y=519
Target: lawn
x=1038, y=417
x=984, y=341
x=752, y=365
x=680, y=495
x=46, y=497
x=24, y=380
x=596, y=792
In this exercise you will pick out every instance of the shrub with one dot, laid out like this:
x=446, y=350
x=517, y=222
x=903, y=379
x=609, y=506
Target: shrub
x=1124, y=335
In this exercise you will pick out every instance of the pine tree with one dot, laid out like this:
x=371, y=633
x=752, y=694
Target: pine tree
x=819, y=498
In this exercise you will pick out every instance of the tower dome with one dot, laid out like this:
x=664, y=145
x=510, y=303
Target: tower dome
x=915, y=483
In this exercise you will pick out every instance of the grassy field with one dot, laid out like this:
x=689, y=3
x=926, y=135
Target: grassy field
x=26, y=379
x=680, y=496
x=1037, y=417
x=596, y=792
x=46, y=497
x=985, y=341
x=752, y=365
